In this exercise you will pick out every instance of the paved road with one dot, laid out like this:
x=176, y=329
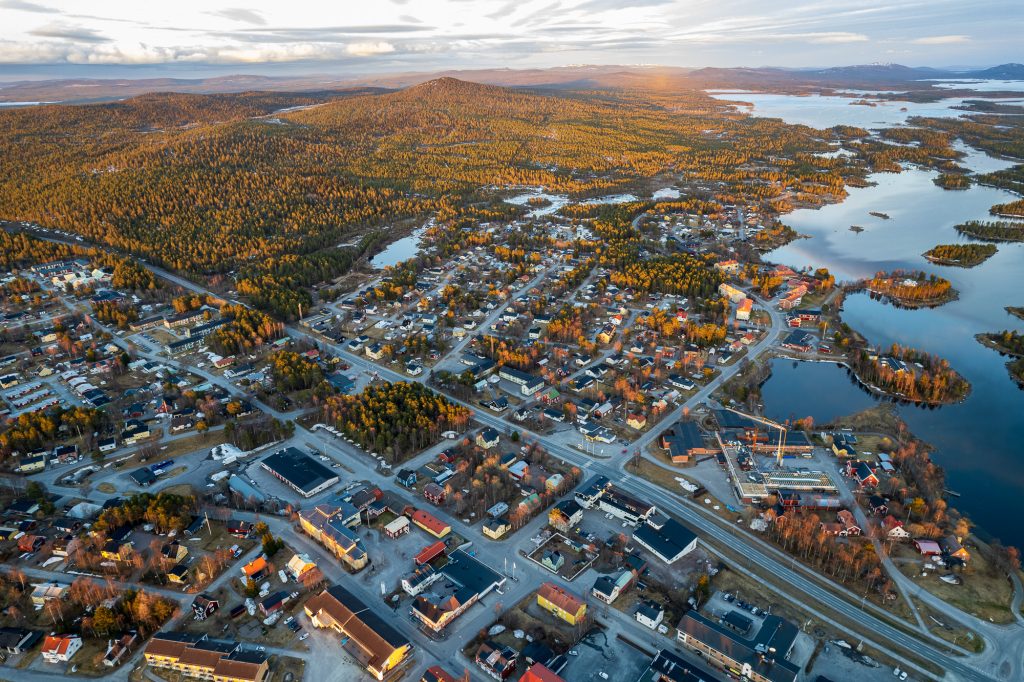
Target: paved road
x=770, y=560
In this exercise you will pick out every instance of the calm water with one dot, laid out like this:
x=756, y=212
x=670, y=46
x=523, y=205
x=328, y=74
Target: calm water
x=398, y=250
x=825, y=111
x=978, y=441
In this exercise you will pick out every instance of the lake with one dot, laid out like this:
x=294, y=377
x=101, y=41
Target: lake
x=398, y=250
x=825, y=111
x=978, y=441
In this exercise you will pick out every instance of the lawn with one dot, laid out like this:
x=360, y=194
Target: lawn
x=985, y=591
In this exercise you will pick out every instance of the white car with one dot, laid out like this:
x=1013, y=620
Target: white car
x=303, y=636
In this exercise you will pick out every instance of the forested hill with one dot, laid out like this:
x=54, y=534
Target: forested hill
x=218, y=183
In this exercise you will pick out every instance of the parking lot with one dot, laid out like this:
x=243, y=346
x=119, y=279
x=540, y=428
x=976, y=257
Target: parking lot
x=602, y=656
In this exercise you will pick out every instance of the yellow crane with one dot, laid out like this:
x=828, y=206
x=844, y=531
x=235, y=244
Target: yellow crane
x=767, y=422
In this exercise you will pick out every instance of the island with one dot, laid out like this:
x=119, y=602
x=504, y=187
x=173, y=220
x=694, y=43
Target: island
x=879, y=214
x=1015, y=311
x=1013, y=208
x=961, y=255
x=910, y=289
x=1007, y=342
x=993, y=231
x=1017, y=371
x=909, y=374
x=952, y=181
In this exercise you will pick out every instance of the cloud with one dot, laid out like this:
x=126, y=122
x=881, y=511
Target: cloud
x=367, y=49
x=605, y=5
x=503, y=11
x=246, y=16
x=78, y=34
x=25, y=6
x=942, y=40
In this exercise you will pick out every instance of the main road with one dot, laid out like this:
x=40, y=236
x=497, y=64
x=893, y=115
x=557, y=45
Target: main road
x=810, y=588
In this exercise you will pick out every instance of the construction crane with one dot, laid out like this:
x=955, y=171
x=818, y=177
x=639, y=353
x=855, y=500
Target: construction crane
x=767, y=422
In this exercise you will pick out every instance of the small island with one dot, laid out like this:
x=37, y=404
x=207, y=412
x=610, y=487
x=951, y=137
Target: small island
x=1017, y=371
x=1007, y=342
x=1013, y=208
x=1015, y=311
x=961, y=255
x=993, y=231
x=910, y=374
x=952, y=181
x=911, y=289
x=879, y=214
x=856, y=228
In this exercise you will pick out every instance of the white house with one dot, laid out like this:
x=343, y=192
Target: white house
x=61, y=648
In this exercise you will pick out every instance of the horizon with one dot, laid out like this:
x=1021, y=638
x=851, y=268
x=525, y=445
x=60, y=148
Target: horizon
x=48, y=40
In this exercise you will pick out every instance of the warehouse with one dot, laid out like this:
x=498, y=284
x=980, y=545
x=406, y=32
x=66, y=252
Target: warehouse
x=299, y=471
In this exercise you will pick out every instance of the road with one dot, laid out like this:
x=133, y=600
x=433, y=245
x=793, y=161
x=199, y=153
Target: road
x=808, y=587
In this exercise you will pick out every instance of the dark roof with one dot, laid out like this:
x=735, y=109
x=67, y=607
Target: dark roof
x=668, y=667
x=368, y=617
x=682, y=438
x=738, y=622
x=299, y=469
x=668, y=541
x=774, y=633
x=731, y=420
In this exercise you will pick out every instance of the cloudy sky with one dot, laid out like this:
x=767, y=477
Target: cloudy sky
x=202, y=37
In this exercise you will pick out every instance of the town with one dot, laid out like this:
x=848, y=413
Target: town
x=517, y=454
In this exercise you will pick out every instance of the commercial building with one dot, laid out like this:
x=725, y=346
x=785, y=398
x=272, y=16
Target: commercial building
x=195, y=655
x=299, y=471
x=326, y=524
x=685, y=443
x=761, y=658
x=668, y=540
x=375, y=644
x=668, y=667
x=467, y=581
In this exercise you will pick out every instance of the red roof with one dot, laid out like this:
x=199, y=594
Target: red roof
x=429, y=553
x=430, y=523
x=539, y=673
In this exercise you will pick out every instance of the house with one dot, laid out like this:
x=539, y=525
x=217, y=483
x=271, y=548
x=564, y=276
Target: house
x=398, y=527
x=561, y=603
x=495, y=528
x=843, y=445
x=539, y=673
x=636, y=420
x=927, y=547
x=799, y=341
x=32, y=464
x=744, y=309
x=732, y=293
x=864, y=475
x=60, y=648
x=15, y=640
x=650, y=614
x=848, y=522
x=552, y=560
x=44, y=592
x=488, y=438
x=528, y=383
x=608, y=588
x=256, y=569
x=116, y=650
x=951, y=547
x=240, y=529
x=436, y=673
x=430, y=523
x=434, y=493
x=406, y=478
x=203, y=606
x=365, y=635
x=273, y=603
x=496, y=660
x=299, y=565
x=565, y=515
x=878, y=506
x=173, y=552
x=179, y=574
x=429, y=553
x=894, y=529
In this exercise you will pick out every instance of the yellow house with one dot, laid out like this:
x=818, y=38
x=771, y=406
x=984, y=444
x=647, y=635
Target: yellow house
x=561, y=603
x=496, y=528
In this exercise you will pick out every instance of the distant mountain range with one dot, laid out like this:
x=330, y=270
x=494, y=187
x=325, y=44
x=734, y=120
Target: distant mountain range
x=572, y=77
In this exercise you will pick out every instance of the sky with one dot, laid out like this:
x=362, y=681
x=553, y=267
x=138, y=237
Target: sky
x=76, y=38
